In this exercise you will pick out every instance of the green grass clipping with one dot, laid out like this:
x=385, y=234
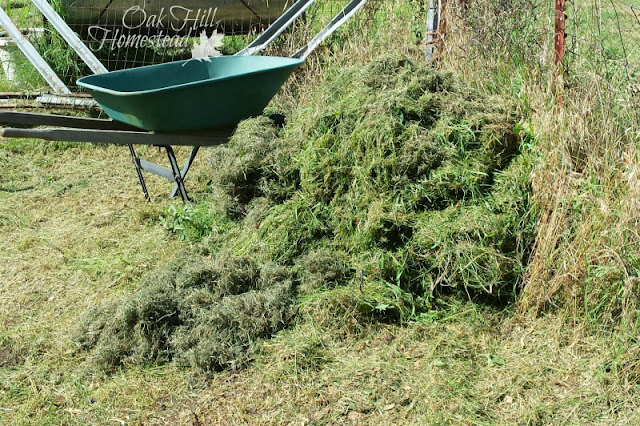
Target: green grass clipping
x=392, y=186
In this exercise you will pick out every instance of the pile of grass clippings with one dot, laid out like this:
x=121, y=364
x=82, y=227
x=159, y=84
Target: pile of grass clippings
x=200, y=311
x=392, y=185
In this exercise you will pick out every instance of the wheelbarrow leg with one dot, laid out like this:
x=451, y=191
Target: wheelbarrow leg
x=177, y=174
x=136, y=162
x=185, y=170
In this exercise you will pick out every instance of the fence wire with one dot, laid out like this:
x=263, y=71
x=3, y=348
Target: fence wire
x=603, y=37
x=604, y=33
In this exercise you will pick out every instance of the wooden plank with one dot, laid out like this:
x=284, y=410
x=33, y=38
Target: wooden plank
x=119, y=137
x=37, y=119
x=66, y=101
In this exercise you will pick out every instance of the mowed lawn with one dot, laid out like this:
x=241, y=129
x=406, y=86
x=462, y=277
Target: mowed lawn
x=75, y=231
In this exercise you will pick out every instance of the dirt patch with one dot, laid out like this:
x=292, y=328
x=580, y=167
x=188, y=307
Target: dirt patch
x=9, y=357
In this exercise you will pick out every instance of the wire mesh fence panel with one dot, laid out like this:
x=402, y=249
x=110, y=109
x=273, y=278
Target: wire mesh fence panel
x=513, y=41
x=126, y=34
x=607, y=35
x=488, y=32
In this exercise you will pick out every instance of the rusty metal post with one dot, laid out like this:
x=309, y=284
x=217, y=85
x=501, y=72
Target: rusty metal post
x=559, y=40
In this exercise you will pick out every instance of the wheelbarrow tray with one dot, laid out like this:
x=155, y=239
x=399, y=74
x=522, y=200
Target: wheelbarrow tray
x=192, y=94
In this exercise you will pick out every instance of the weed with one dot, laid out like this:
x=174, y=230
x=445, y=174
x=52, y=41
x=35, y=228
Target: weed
x=192, y=223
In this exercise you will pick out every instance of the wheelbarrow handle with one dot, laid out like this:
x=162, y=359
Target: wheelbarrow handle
x=275, y=29
x=343, y=16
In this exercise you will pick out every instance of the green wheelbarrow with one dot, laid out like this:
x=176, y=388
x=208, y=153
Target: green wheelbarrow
x=191, y=95
x=200, y=94
x=193, y=103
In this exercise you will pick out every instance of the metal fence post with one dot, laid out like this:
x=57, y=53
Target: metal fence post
x=433, y=23
x=435, y=29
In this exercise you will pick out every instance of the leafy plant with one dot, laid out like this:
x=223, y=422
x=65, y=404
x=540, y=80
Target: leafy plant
x=192, y=223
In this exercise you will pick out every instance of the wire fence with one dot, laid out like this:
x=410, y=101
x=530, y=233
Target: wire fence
x=607, y=33
x=125, y=34
x=602, y=36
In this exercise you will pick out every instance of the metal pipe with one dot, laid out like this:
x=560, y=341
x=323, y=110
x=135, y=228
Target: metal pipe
x=32, y=55
x=433, y=24
x=559, y=34
x=275, y=29
x=559, y=40
x=343, y=16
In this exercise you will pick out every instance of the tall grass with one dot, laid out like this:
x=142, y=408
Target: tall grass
x=585, y=181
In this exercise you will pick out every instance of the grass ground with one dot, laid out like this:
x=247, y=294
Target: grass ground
x=75, y=232
x=72, y=239
x=68, y=243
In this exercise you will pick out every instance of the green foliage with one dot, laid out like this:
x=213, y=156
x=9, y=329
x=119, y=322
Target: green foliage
x=57, y=52
x=233, y=44
x=193, y=223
